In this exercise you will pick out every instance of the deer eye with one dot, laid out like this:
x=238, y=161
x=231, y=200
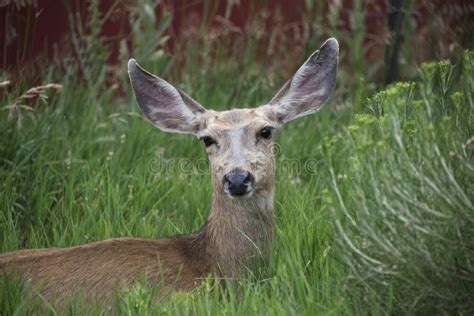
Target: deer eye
x=208, y=141
x=266, y=132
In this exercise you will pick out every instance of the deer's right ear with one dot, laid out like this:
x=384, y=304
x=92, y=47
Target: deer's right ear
x=165, y=106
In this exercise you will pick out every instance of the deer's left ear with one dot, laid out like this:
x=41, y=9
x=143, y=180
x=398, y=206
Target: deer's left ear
x=306, y=92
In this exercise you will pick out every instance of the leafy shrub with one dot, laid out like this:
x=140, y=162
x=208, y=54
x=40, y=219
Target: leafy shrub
x=404, y=208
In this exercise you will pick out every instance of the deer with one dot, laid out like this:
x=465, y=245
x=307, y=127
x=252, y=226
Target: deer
x=238, y=234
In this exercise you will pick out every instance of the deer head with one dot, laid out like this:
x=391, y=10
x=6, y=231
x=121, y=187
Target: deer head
x=239, y=142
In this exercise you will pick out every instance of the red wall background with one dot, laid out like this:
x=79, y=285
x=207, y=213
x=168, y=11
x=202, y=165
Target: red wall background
x=35, y=33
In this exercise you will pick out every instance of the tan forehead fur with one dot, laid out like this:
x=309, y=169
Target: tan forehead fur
x=234, y=119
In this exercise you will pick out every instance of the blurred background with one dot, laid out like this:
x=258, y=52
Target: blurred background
x=381, y=40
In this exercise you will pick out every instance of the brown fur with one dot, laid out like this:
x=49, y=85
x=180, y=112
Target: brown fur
x=94, y=270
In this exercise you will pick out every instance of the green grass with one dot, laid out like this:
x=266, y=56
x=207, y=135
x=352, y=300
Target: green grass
x=380, y=220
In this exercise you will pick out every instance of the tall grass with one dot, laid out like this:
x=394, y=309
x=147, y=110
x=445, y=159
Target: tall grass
x=383, y=223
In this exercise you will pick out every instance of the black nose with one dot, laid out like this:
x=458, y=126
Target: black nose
x=238, y=182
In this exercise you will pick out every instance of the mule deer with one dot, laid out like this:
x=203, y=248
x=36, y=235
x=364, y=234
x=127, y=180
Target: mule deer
x=239, y=229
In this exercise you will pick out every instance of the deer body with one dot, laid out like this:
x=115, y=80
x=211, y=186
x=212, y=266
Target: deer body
x=95, y=270
x=239, y=231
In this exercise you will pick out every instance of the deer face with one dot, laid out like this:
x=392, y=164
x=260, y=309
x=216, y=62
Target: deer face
x=239, y=142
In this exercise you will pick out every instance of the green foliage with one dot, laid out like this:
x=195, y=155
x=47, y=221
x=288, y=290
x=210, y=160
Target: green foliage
x=404, y=208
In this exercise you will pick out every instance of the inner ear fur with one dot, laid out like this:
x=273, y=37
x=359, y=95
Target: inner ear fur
x=310, y=87
x=167, y=107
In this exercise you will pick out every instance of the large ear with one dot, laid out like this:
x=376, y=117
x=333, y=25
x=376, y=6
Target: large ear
x=306, y=92
x=164, y=105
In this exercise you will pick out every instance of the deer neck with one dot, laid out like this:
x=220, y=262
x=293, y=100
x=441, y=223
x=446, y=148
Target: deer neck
x=239, y=232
